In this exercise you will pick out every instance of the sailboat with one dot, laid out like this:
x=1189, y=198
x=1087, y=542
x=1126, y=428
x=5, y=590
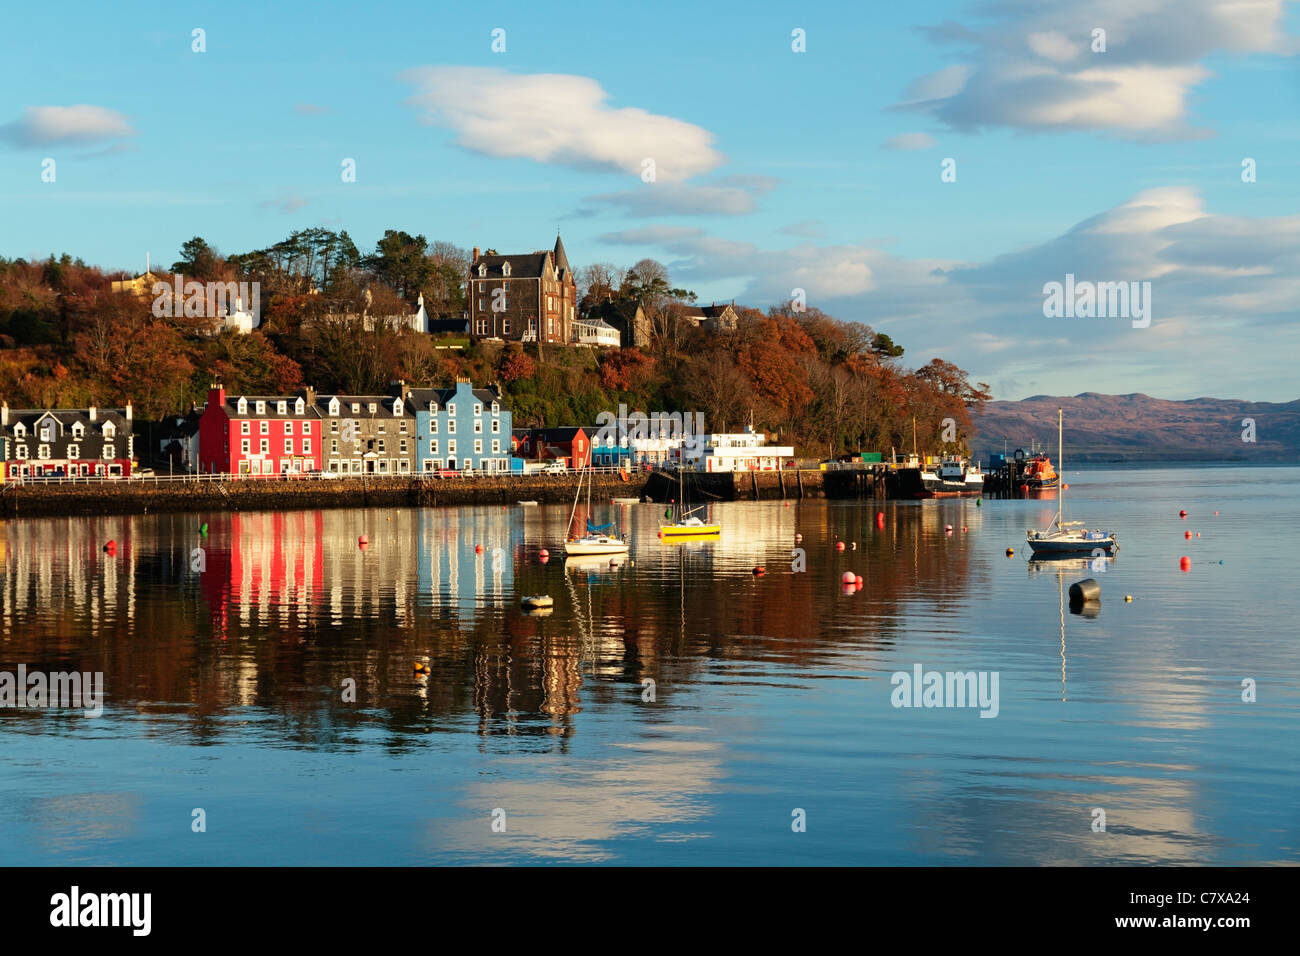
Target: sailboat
x=598, y=539
x=684, y=523
x=1068, y=537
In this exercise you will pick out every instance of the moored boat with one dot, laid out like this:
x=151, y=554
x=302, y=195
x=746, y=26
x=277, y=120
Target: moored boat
x=1068, y=537
x=954, y=475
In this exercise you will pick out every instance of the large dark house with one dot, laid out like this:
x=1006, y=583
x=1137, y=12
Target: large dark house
x=65, y=442
x=528, y=297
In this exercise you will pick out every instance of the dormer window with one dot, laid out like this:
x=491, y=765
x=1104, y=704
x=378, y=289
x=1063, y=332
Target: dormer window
x=242, y=406
x=281, y=408
x=298, y=407
x=20, y=431
x=505, y=269
x=108, y=429
x=397, y=406
x=47, y=431
x=334, y=406
x=372, y=408
x=482, y=269
x=433, y=408
x=356, y=408
x=495, y=408
x=78, y=430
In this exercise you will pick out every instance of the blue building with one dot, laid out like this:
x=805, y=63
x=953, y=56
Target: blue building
x=460, y=429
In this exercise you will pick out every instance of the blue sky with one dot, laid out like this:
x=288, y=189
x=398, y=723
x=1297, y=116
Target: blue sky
x=775, y=169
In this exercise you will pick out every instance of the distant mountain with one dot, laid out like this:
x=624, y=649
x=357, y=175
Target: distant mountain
x=1138, y=427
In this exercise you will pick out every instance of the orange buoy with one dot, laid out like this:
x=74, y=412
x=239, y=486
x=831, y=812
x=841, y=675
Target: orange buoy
x=848, y=577
x=759, y=571
x=947, y=528
x=1065, y=487
x=1010, y=552
x=880, y=516
x=787, y=504
x=1216, y=512
x=857, y=581
x=797, y=538
x=963, y=529
x=1187, y=534
x=849, y=587
x=839, y=545
x=1185, y=563
x=363, y=540
x=543, y=553
x=1182, y=514
x=478, y=549
x=1198, y=534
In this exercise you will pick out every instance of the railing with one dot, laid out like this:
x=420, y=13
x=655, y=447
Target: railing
x=568, y=473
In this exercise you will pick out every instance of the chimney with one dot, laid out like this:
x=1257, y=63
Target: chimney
x=474, y=258
x=90, y=412
x=4, y=414
x=128, y=411
x=309, y=395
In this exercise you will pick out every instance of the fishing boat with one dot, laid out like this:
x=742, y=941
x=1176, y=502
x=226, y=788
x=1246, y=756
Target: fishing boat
x=598, y=539
x=1068, y=537
x=684, y=523
x=953, y=476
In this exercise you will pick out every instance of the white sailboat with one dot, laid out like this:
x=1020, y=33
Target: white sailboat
x=1068, y=537
x=596, y=540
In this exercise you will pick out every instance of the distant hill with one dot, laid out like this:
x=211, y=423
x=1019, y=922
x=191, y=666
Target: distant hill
x=1140, y=428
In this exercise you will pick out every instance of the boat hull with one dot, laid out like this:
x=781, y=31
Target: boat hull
x=581, y=547
x=1072, y=545
x=691, y=531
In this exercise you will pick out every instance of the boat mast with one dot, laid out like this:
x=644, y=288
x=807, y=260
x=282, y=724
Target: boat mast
x=575, y=503
x=1060, y=465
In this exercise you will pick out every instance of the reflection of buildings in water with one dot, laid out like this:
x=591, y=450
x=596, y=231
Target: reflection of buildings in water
x=450, y=573
x=53, y=565
x=561, y=681
x=260, y=564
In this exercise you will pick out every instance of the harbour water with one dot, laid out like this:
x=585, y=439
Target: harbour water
x=676, y=709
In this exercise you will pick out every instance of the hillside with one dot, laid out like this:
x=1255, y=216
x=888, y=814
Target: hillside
x=1138, y=427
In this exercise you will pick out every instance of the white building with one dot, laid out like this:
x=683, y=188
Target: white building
x=596, y=332
x=744, y=451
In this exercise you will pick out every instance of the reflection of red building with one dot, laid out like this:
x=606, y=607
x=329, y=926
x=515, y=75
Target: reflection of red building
x=274, y=559
x=259, y=435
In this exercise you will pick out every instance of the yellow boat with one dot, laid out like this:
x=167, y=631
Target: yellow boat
x=690, y=528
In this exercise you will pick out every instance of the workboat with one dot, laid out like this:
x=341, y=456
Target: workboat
x=1068, y=537
x=684, y=523
x=598, y=539
x=954, y=475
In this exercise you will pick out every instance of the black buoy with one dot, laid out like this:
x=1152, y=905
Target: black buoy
x=1087, y=591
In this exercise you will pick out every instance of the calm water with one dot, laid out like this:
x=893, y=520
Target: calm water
x=225, y=687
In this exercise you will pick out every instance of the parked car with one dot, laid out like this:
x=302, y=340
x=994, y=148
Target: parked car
x=555, y=468
x=142, y=473
x=328, y=474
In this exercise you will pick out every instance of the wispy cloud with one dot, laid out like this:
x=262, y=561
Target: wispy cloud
x=285, y=204
x=66, y=125
x=310, y=109
x=557, y=118
x=909, y=141
x=652, y=235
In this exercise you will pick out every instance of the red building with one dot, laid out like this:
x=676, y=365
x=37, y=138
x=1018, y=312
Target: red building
x=572, y=446
x=259, y=435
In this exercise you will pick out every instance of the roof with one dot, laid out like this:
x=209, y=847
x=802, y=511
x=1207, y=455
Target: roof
x=437, y=326
x=529, y=265
x=561, y=259
x=383, y=405
x=421, y=397
x=231, y=405
x=68, y=417
x=566, y=434
x=706, y=311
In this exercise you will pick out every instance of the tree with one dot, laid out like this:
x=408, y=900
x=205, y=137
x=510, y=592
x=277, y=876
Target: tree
x=199, y=261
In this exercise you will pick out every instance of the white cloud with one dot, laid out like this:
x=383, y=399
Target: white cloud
x=680, y=199
x=1035, y=68
x=66, y=125
x=557, y=118
x=652, y=235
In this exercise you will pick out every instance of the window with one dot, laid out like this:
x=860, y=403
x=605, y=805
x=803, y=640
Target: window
x=373, y=408
x=264, y=427
x=243, y=427
x=78, y=430
x=306, y=428
x=261, y=408
x=505, y=268
x=266, y=446
x=451, y=447
x=334, y=426
x=403, y=448
x=505, y=325
x=550, y=325
x=451, y=408
x=74, y=451
x=496, y=426
x=402, y=426
x=47, y=431
x=478, y=446
x=496, y=446
x=496, y=409
x=334, y=446
x=433, y=446
x=480, y=305
x=433, y=408
x=243, y=446
x=288, y=428
x=451, y=426
x=482, y=270
x=298, y=407
x=478, y=426
x=242, y=406
x=433, y=426
x=288, y=446
x=356, y=407
x=43, y=451
x=381, y=446
x=109, y=430
x=334, y=406
x=380, y=428
x=481, y=285
x=108, y=452
x=22, y=452
x=282, y=408
x=306, y=446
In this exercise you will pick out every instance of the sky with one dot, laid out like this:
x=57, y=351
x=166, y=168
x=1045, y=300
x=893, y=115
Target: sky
x=927, y=169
